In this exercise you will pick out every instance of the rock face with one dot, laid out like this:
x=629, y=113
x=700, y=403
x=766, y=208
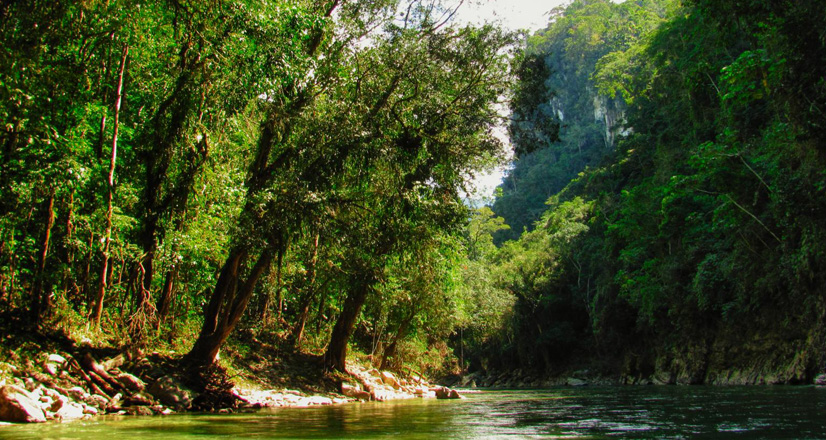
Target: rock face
x=17, y=405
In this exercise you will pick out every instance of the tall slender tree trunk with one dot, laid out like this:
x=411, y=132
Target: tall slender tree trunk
x=97, y=310
x=165, y=299
x=266, y=315
x=87, y=271
x=41, y=298
x=70, y=250
x=304, y=308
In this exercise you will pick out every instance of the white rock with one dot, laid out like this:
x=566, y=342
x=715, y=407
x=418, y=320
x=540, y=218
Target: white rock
x=17, y=405
x=78, y=393
x=320, y=400
x=51, y=369
x=70, y=411
x=388, y=379
x=56, y=359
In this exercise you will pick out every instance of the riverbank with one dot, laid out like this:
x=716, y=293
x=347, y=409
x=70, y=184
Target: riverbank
x=756, y=374
x=49, y=376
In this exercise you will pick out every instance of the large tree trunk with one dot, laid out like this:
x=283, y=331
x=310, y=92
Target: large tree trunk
x=335, y=358
x=228, y=303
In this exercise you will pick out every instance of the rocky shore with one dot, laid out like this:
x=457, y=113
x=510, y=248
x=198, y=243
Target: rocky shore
x=65, y=386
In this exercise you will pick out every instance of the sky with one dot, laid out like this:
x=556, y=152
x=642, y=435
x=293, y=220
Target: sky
x=512, y=14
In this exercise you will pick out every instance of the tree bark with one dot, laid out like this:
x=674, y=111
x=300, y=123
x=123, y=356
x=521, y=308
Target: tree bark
x=42, y=303
x=401, y=332
x=228, y=303
x=97, y=310
x=165, y=300
x=335, y=358
x=304, y=308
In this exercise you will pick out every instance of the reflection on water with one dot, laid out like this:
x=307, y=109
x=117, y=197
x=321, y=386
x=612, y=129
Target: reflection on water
x=609, y=412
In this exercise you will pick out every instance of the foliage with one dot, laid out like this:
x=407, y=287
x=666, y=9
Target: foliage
x=568, y=89
x=703, y=230
x=269, y=159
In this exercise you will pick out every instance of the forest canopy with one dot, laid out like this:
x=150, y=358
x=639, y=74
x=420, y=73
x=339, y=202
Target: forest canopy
x=177, y=172
x=174, y=169
x=676, y=230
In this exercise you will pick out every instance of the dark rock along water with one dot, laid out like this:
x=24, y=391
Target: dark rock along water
x=587, y=412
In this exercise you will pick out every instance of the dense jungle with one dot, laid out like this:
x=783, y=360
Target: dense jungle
x=229, y=182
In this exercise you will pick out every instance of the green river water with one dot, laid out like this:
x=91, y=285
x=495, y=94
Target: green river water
x=588, y=412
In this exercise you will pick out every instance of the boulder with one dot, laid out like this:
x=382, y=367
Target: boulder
x=130, y=382
x=354, y=392
x=78, y=393
x=138, y=411
x=70, y=411
x=138, y=400
x=17, y=405
x=388, y=379
x=98, y=401
x=170, y=392
x=30, y=384
x=574, y=382
x=113, y=363
x=447, y=393
x=51, y=369
x=56, y=359
x=59, y=403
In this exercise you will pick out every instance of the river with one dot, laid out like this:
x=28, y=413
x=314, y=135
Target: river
x=588, y=412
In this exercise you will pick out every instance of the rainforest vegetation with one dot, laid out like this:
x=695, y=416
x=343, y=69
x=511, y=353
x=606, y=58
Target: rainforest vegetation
x=676, y=228
x=175, y=172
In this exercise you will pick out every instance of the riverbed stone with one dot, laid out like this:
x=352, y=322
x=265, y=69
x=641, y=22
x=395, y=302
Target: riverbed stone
x=389, y=379
x=447, y=393
x=130, y=382
x=170, y=392
x=138, y=399
x=354, y=392
x=138, y=411
x=70, y=411
x=50, y=368
x=17, y=405
x=58, y=403
x=78, y=393
x=56, y=359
